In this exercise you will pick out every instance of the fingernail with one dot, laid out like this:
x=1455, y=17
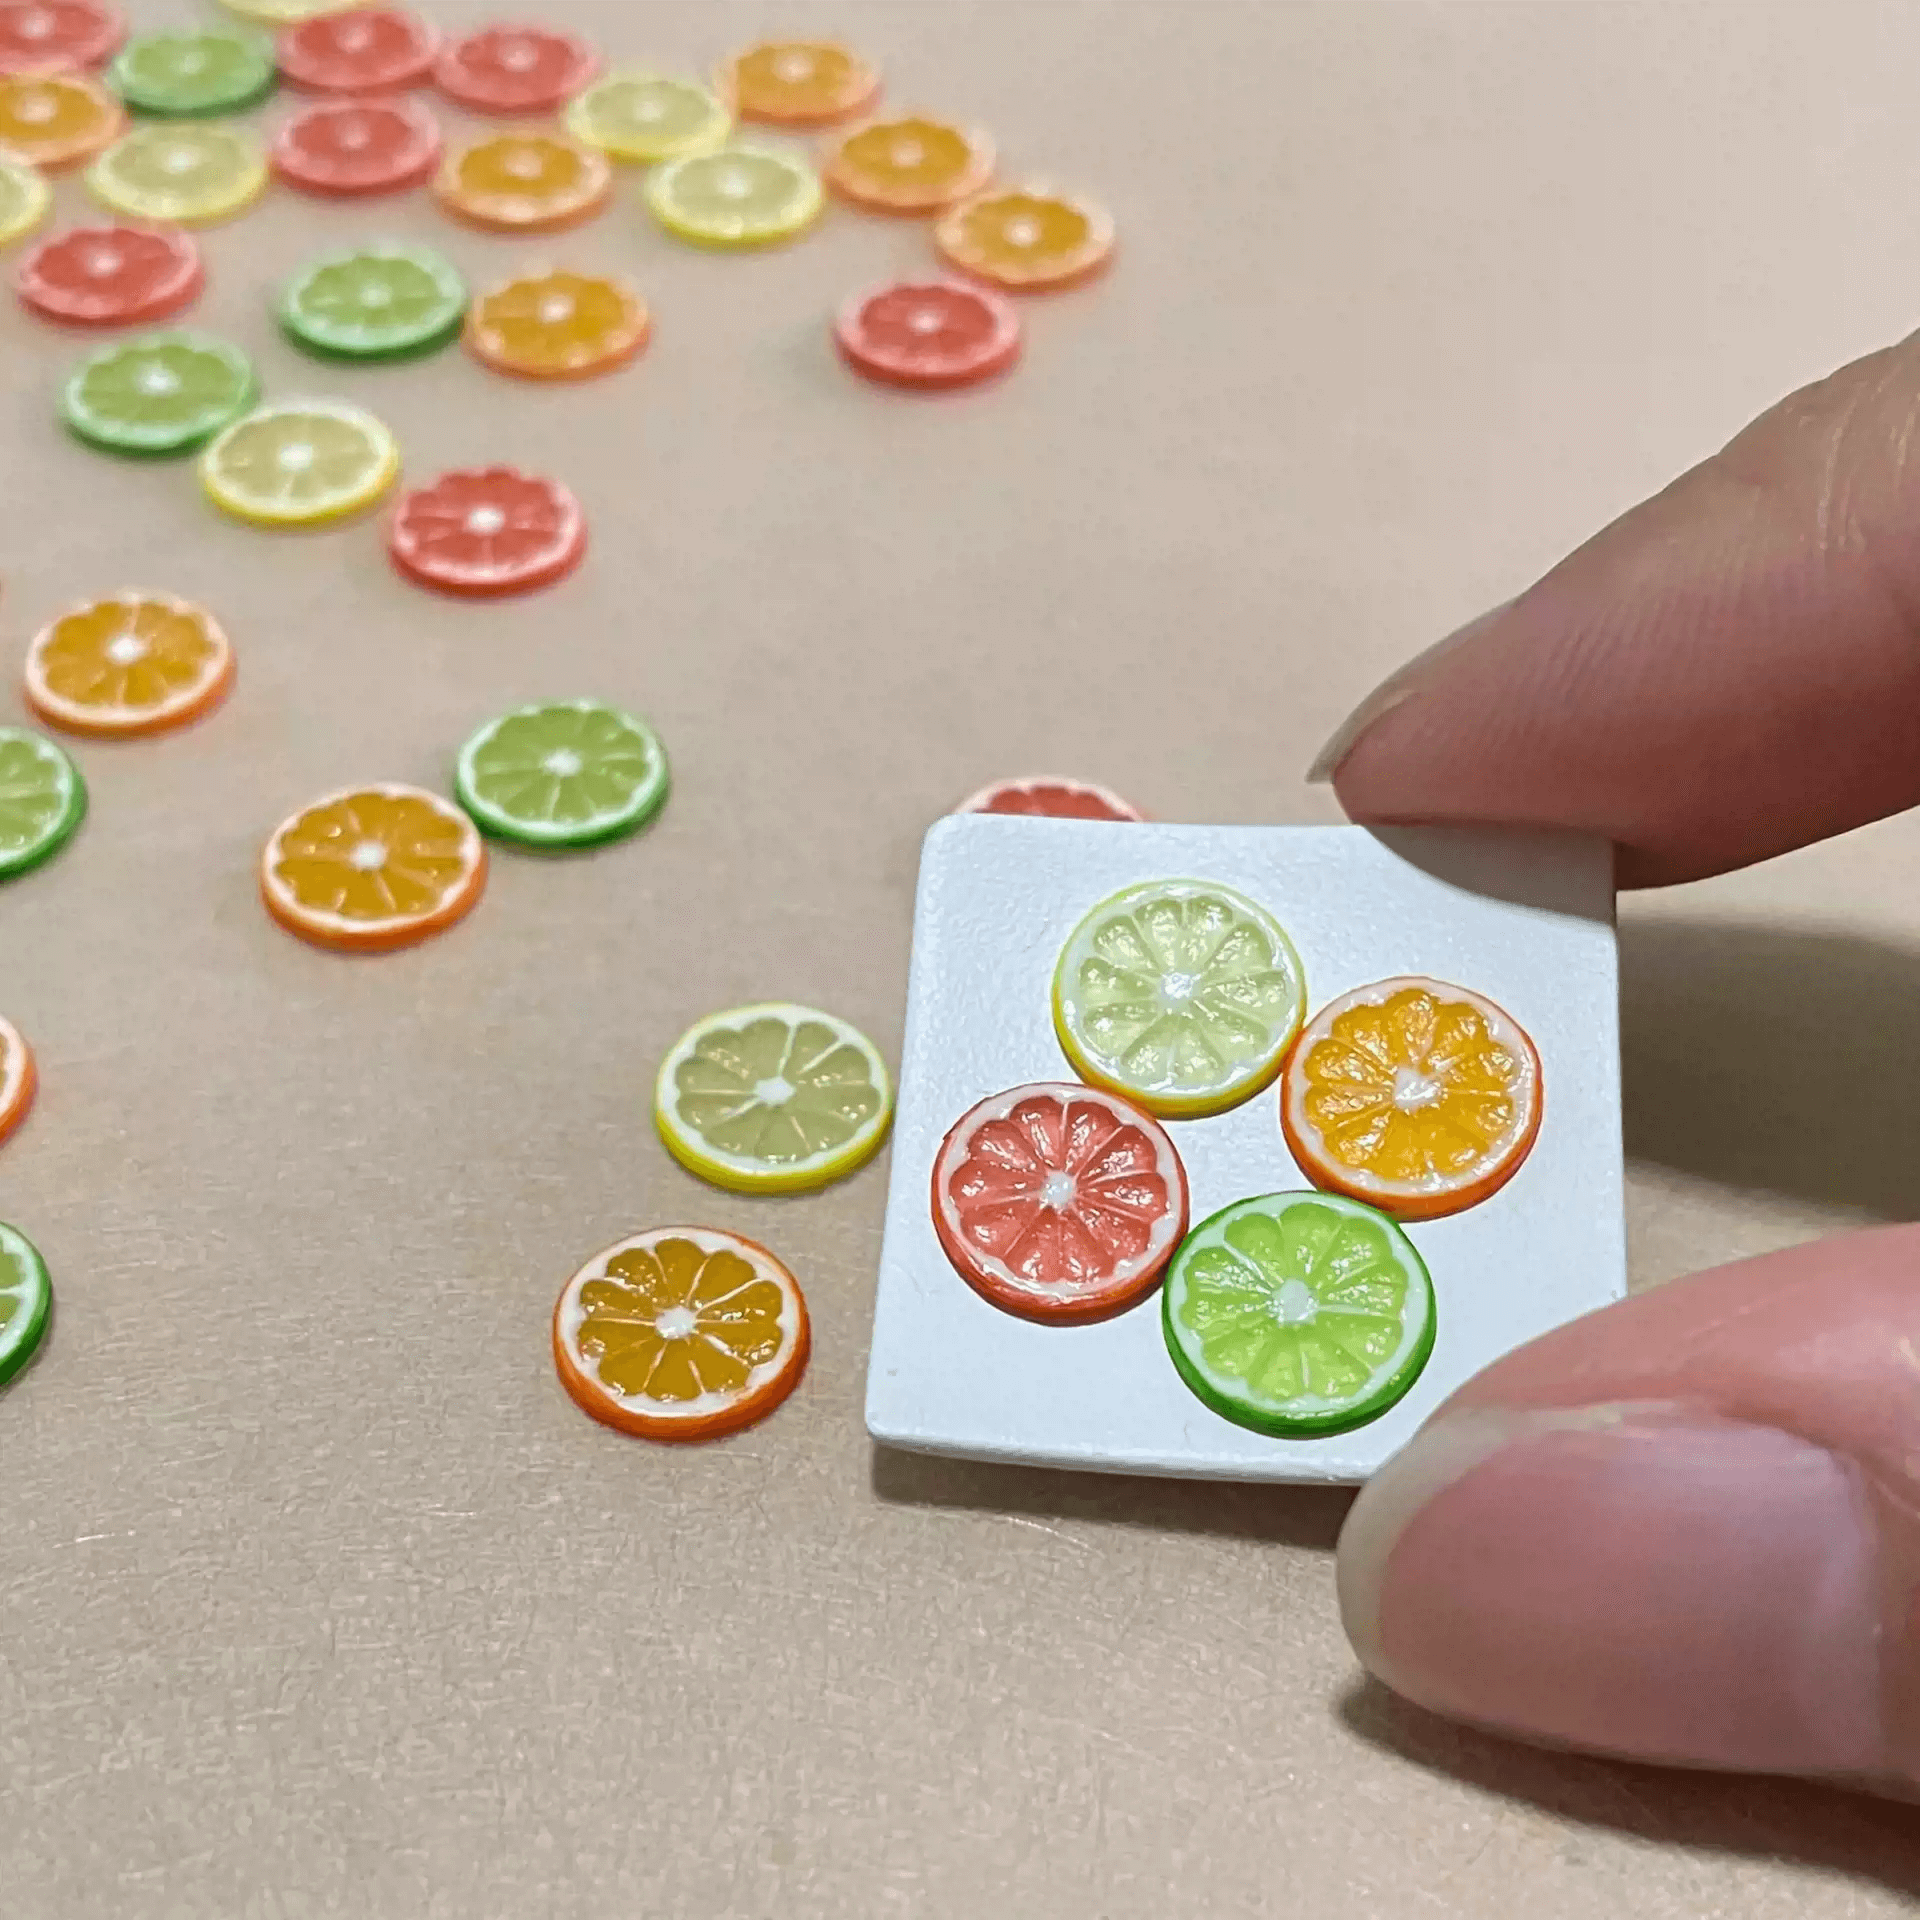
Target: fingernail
x=1396, y=690
x=1629, y=1579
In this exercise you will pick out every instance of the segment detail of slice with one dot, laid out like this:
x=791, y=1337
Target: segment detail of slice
x=1053, y=797
x=565, y=773
x=133, y=664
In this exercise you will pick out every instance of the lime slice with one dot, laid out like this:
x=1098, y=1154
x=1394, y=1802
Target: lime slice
x=306, y=461
x=738, y=197
x=185, y=174
x=648, y=117
x=566, y=773
x=26, y=1299
x=162, y=393
x=218, y=71
x=1298, y=1313
x=1181, y=994
x=24, y=198
x=42, y=800
x=377, y=304
x=772, y=1099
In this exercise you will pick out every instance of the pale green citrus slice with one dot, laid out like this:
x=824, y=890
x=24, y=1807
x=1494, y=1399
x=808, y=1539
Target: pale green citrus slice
x=302, y=462
x=648, y=117
x=1298, y=1314
x=565, y=773
x=375, y=304
x=182, y=171
x=42, y=800
x=288, y=12
x=24, y=198
x=772, y=1098
x=162, y=393
x=1183, y=995
x=26, y=1299
x=213, y=71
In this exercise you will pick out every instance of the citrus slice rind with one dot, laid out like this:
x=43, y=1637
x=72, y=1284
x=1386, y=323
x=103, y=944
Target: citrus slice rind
x=524, y=182
x=735, y=197
x=909, y=164
x=24, y=198
x=378, y=303
x=1059, y=1203
x=185, y=171
x=488, y=531
x=558, y=326
x=928, y=334
x=42, y=800
x=18, y=1078
x=26, y=1301
x=39, y=36
x=364, y=50
x=681, y=1333
x=1051, y=796
x=136, y=663
x=1180, y=995
x=1416, y=1096
x=797, y=83
x=514, y=69
x=343, y=148
x=563, y=773
x=1029, y=239
x=161, y=393
x=372, y=868
x=281, y=13
x=193, y=73
x=110, y=276
x=57, y=119
x=648, y=117
x=1298, y=1314
x=300, y=463
x=772, y=1098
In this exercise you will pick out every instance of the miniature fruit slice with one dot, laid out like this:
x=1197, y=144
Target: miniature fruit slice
x=24, y=198
x=18, y=1078
x=1182, y=995
x=910, y=165
x=376, y=304
x=1298, y=1314
x=161, y=393
x=137, y=663
x=565, y=773
x=347, y=147
x=193, y=73
x=1052, y=797
x=1025, y=238
x=514, y=69
x=1059, y=1202
x=648, y=117
x=738, y=197
x=367, y=50
x=487, y=531
x=280, y=13
x=42, y=800
x=26, y=1301
x=558, y=326
x=681, y=1333
x=180, y=171
x=306, y=461
x=56, y=119
x=111, y=276
x=44, y=36
x=928, y=334
x=772, y=1099
x=373, y=868
x=798, y=83
x=524, y=181
x=1418, y=1097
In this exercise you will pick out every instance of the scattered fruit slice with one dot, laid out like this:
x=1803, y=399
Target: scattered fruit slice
x=1053, y=797
x=42, y=800
x=56, y=119
x=373, y=868
x=180, y=171
x=772, y=1099
x=43, y=36
x=558, y=326
x=367, y=50
x=737, y=197
x=514, y=69
x=565, y=773
x=1026, y=238
x=137, y=663
x=910, y=165
x=524, y=181
x=26, y=1301
x=928, y=334
x=377, y=304
x=648, y=117
x=680, y=1333
x=18, y=1078
x=161, y=393
x=300, y=462
x=24, y=198
x=347, y=147
x=213, y=71
x=1418, y=1097
x=111, y=276
x=488, y=531
x=798, y=83
x=1182, y=995
x=1298, y=1314
x=280, y=13
x=1059, y=1203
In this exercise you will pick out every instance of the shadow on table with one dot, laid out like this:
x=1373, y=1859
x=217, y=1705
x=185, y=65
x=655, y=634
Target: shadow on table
x=1778, y=1820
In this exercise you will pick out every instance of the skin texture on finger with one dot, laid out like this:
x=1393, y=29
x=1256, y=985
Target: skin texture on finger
x=1685, y=1529
x=1730, y=670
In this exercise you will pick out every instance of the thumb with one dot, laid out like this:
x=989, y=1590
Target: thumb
x=1685, y=1529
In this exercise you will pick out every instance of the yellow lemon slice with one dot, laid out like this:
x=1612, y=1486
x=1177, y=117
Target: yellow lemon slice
x=299, y=463
x=182, y=171
x=738, y=197
x=24, y=198
x=648, y=117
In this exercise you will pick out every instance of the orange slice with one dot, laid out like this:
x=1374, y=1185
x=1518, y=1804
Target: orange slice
x=525, y=182
x=910, y=165
x=1026, y=238
x=18, y=1079
x=135, y=663
x=558, y=326
x=56, y=119
x=1417, y=1097
x=373, y=868
x=797, y=83
x=681, y=1333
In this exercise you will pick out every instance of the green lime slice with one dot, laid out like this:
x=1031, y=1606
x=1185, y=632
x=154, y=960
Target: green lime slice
x=161, y=393
x=565, y=773
x=219, y=71
x=1298, y=1314
x=26, y=1299
x=376, y=304
x=42, y=800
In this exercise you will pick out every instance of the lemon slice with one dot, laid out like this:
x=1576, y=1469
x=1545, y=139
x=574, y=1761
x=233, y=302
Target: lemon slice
x=302, y=462
x=1180, y=994
x=648, y=117
x=24, y=198
x=772, y=1099
x=738, y=197
x=182, y=171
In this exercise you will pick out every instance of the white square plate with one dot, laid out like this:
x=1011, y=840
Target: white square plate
x=1526, y=919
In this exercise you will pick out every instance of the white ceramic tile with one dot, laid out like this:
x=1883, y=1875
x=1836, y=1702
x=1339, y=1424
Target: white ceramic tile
x=1525, y=918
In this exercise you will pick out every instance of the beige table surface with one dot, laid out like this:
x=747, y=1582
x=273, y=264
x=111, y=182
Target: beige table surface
x=317, y=1597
